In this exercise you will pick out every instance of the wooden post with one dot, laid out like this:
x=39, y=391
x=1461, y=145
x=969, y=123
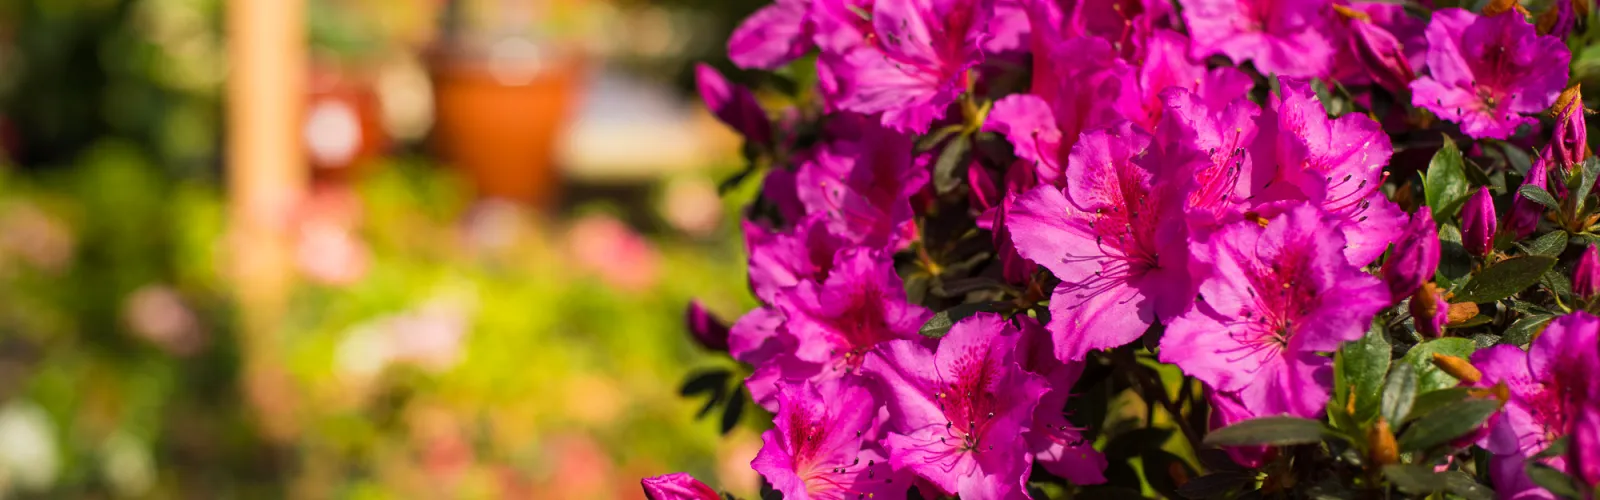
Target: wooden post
x=267, y=46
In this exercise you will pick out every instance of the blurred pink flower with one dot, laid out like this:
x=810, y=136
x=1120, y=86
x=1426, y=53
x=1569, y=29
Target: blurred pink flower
x=39, y=239
x=621, y=257
x=158, y=314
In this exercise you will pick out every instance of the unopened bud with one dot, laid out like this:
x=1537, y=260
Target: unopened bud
x=1559, y=19
x=709, y=331
x=1570, y=143
x=1378, y=51
x=1429, y=310
x=1458, y=368
x=1525, y=213
x=1380, y=444
x=1415, y=257
x=1478, y=223
x=1586, y=275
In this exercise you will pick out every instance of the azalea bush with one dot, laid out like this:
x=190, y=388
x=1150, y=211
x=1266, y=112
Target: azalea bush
x=1191, y=249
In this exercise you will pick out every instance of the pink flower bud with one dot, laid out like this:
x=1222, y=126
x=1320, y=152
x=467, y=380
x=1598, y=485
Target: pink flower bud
x=1570, y=144
x=1525, y=213
x=1415, y=257
x=707, y=329
x=677, y=486
x=1478, y=223
x=733, y=105
x=1586, y=276
x=1378, y=51
x=985, y=195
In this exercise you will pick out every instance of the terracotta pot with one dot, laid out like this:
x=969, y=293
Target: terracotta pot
x=499, y=125
x=343, y=130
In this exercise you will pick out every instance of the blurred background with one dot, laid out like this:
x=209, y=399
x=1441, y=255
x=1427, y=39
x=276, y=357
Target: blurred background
x=361, y=248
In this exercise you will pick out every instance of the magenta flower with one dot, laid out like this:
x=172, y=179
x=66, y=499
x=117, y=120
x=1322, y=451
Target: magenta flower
x=1486, y=72
x=1115, y=238
x=958, y=414
x=1078, y=85
x=1415, y=258
x=1283, y=37
x=1586, y=275
x=1429, y=311
x=863, y=177
x=1381, y=56
x=1569, y=144
x=822, y=444
x=1552, y=392
x=1227, y=409
x=677, y=486
x=733, y=105
x=1338, y=164
x=1525, y=213
x=860, y=306
x=1278, y=296
x=1167, y=64
x=1213, y=147
x=706, y=328
x=914, y=62
x=1056, y=444
x=772, y=37
x=1478, y=223
x=779, y=261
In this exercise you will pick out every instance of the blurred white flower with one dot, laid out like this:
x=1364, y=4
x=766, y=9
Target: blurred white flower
x=127, y=465
x=29, y=454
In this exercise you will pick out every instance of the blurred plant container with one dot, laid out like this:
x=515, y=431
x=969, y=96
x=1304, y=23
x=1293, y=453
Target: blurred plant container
x=343, y=130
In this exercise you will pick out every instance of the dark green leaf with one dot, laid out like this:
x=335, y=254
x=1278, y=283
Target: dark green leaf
x=932, y=140
x=706, y=380
x=1505, y=278
x=1130, y=444
x=1485, y=340
x=1420, y=357
x=1399, y=392
x=1521, y=332
x=948, y=168
x=1555, y=449
x=941, y=321
x=1446, y=423
x=732, y=412
x=1551, y=479
x=1414, y=479
x=1427, y=402
x=1445, y=185
x=1586, y=179
x=1273, y=431
x=1211, y=485
x=1159, y=466
x=1215, y=460
x=1551, y=244
x=1539, y=195
x=1454, y=262
x=1556, y=282
x=1463, y=484
x=1361, y=366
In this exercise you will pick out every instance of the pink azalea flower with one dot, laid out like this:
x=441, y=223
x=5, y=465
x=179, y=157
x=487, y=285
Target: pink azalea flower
x=1167, y=64
x=1056, y=444
x=1586, y=274
x=915, y=60
x=1526, y=213
x=863, y=178
x=1115, y=238
x=1212, y=146
x=1278, y=297
x=772, y=36
x=1227, y=409
x=1415, y=258
x=677, y=486
x=1282, y=37
x=822, y=444
x=781, y=260
x=1338, y=164
x=958, y=413
x=1079, y=84
x=1384, y=45
x=1553, y=392
x=1486, y=72
x=1478, y=222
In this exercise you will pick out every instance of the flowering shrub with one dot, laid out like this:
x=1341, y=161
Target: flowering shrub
x=996, y=237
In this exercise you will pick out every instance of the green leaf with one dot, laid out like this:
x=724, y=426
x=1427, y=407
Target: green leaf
x=1556, y=282
x=1415, y=479
x=1454, y=262
x=1445, y=187
x=947, y=169
x=1551, y=244
x=940, y=323
x=1430, y=378
x=1270, y=431
x=1463, y=484
x=1447, y=423
x=1427, y=402
x=732, y=412
x=1556, y=448
x=932, y=140
x=1505, y=278
x=1551, y=479
x=1399, y=392
x=1360, y=366
x=1539, y=195
x=1586, y=178
x=705, y=381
